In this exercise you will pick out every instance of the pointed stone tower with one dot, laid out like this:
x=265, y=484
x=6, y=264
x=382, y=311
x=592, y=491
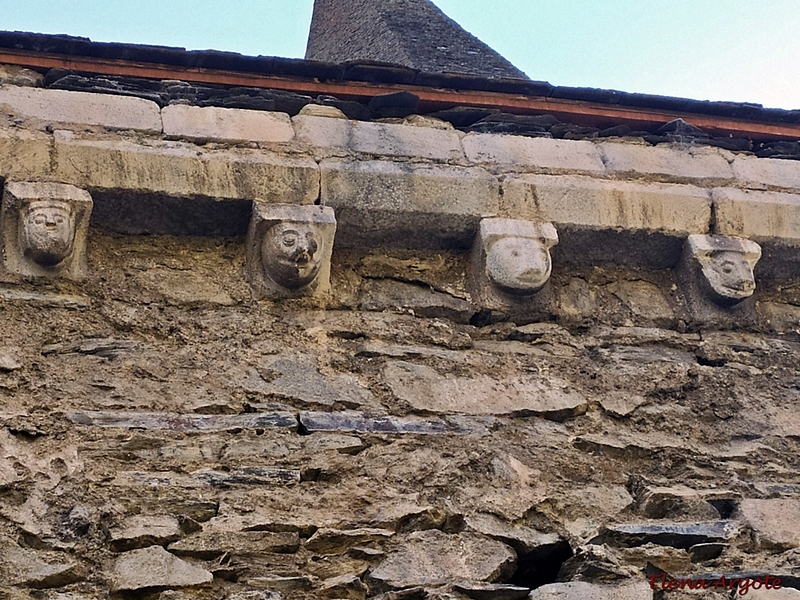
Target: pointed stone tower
x=413, y=33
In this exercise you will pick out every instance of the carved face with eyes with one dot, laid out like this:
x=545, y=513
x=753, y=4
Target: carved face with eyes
x=729, y=275
x=291, y=254
x=46, y=232
x=518, y=265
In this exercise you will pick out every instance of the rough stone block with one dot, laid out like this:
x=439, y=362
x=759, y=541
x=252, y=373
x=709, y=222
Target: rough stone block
x=533, y=153
x=674, y=164
x=386, y=139
x=16, y=75
x=208, y=545
x=761, y=216
x=44, y=228
x=140, y=531
x=407, y=205
x=759, y=172
x=226, y=124
x=24, y=155
x=775, y=521
x=601, y=204
x=154, y=567
x=82, y=108
x=580, y=590
x=182, y=170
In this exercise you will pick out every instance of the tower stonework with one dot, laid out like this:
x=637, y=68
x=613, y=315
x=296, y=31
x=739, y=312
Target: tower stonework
x=413, y=33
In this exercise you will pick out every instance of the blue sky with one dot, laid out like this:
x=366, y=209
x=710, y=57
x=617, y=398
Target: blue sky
x=738, y=50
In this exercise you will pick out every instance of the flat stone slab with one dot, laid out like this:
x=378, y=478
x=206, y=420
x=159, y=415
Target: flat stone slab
x=580, y=590
x=226, y=124
x=182, y=422
x=334, y=541
x=141, y=531
x=677, y=535
x=83, y=108
x=212, y=544
x=407, y=205
x=533, y=153
x=523, y=539
x=768, y=217
x=435, y=558
x=300, y=381
x=699, y=163
x=775, y=521
x=426, y=390
x=45, y=299
x=491, y=591
x=208, y=477
x=367, y=423
x=155, y=567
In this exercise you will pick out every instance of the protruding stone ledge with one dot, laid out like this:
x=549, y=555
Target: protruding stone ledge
x=339, y=136
x=226, y=124
x=178, y=422
x=407, y=205
x=590, y=214
x=526, y=154
x=760, y=172
x=670, y=164
x=82, y=108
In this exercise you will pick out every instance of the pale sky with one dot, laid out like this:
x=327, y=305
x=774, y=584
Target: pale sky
x=736, y=50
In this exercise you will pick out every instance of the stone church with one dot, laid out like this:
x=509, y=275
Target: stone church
x=394, y=321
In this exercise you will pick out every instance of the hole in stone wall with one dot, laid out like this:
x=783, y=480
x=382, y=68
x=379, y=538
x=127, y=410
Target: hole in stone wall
x=541, y=566
x=725, y=507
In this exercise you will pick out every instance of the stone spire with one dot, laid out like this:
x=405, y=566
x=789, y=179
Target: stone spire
x=414, y=33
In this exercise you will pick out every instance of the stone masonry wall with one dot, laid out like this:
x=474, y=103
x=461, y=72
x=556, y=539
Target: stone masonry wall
x=163, y=435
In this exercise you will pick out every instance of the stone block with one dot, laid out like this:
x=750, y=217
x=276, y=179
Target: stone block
x=154, y=567
x=677, y=535
x=82, y=108
x=212, y=123
x=141, y=531
x=407, y=205
x=177, y=422
x=370, y=423
x=776, y=522
x=384, y=139
x=16, y=75
x=334, y=541
x=525, y=153
x=768, y=217
x=760, y=172
x=672, y=164
x=182, y=170
x=421, y=301
x=435, y=558
x=580, y=590
x=208, y=545
x=44, y=227
x=289, y=250
x=24, y=155
x=601, y=204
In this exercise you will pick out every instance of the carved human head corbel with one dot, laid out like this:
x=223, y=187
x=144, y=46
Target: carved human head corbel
x=289, y=249
x=44, y=228
x=723, y=266
x=510, y=261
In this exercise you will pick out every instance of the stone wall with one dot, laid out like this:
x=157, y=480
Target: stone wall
x=165, y=435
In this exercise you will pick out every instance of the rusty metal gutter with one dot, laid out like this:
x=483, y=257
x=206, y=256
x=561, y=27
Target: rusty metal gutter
x=431, y=99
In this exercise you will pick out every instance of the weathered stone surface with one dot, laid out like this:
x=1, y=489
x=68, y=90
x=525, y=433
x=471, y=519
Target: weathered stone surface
x=656, y=502
x=10, y=359
x=141, y=531
x=759, y=216
x=523, y=539
x=334, y=136
x=388, y=294
x=539, y=154
x=15, y=75
x=579, y=590
x=776, y=522
x=282, y=584
x=433, y=558
x=599, y=204
x=178, y=422
x=155, y=567
x=698, y=163
x=343, y=586
x=26, y=154
x=181, y=170
x=300, y=381
x=371, y=423
x=225, y=124
x=321, y=110
x=491, y=591
x=210, y=545
x=81, y=108
x=678, y=535
x=334, y=541
x=758, y=172
x=407, y=205
x=426, y=390
x=29, y=569
x=201, y=478
x=773, y=594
